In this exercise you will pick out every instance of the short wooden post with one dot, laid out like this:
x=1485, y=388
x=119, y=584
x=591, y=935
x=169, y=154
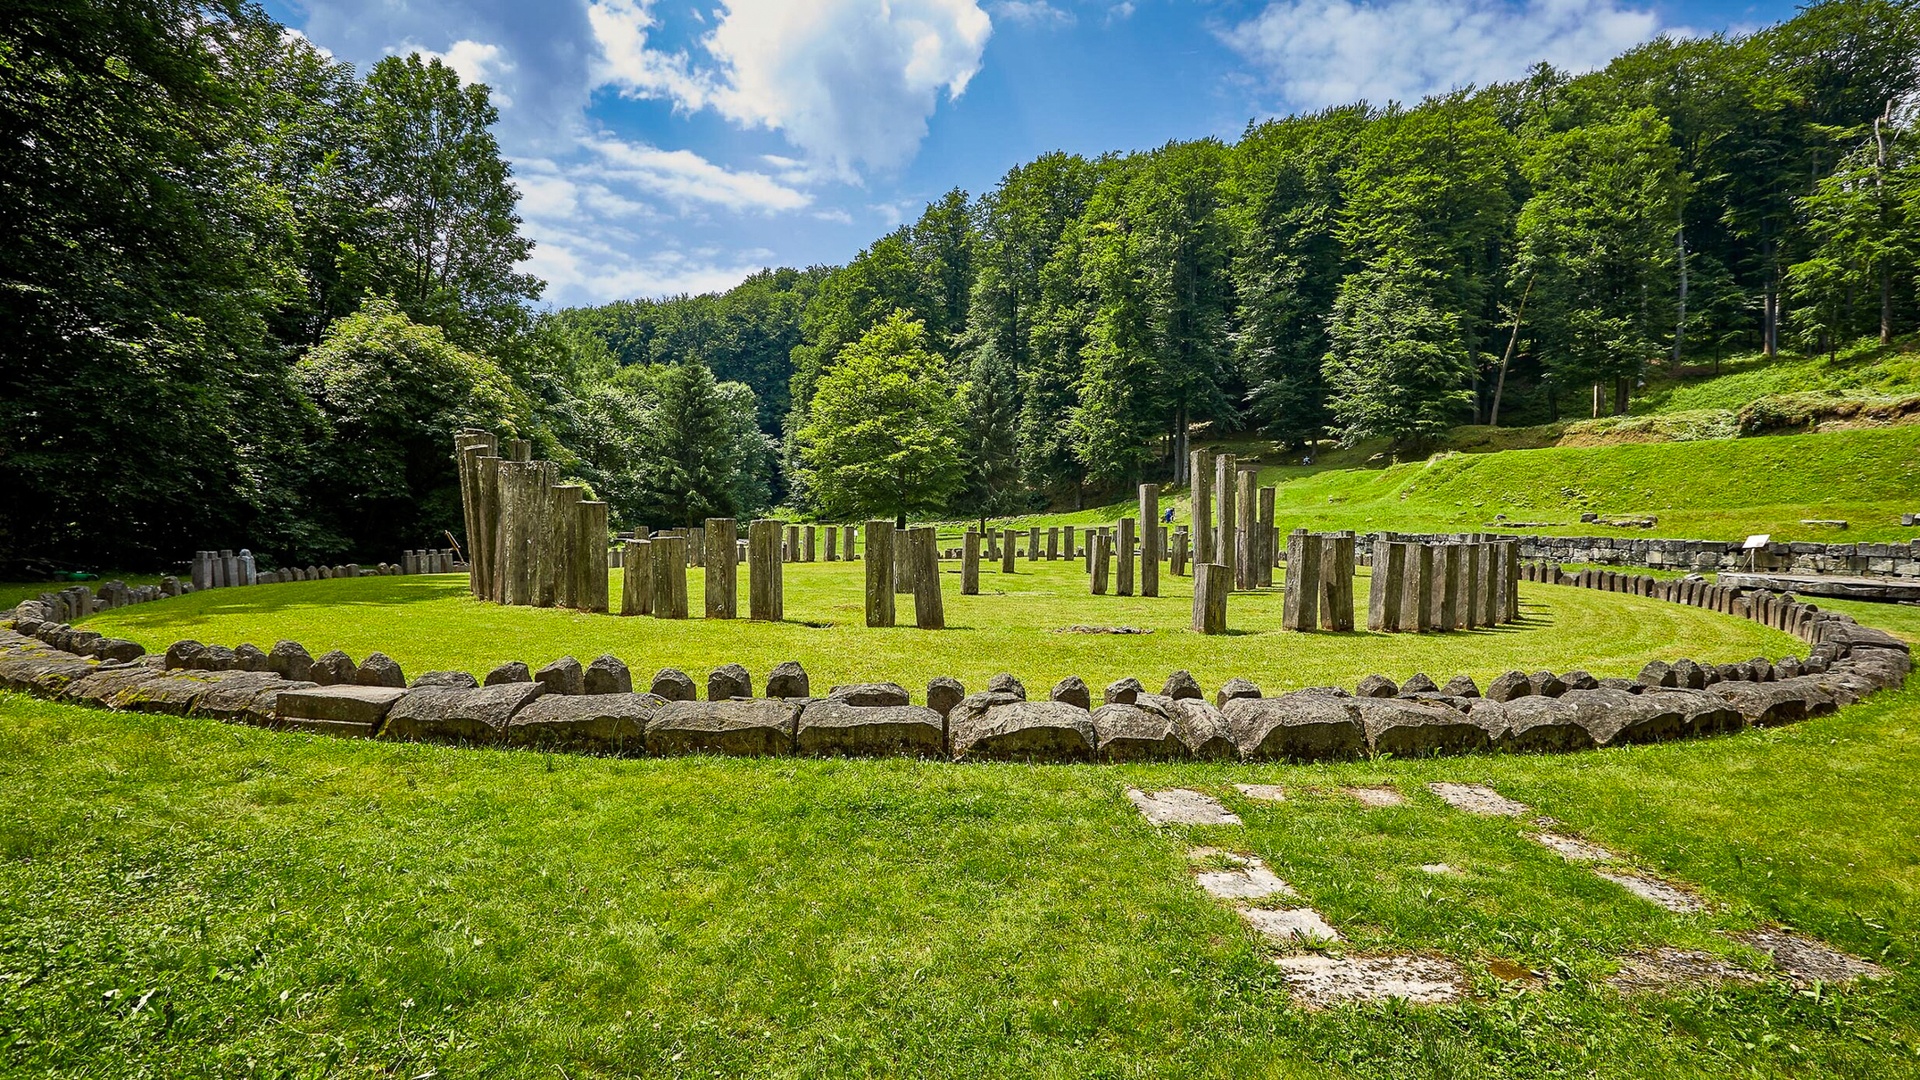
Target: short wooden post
x=1053, y=543
x=1413, y=592
x=1246, y=530
x=1150, y=549
x=1099, y=562
x=1453, y=576
x=1510, y=550
x=879, y=545
x=1177, y=561
x=902, y=561
x=636, y=578
x=1270, y=541
x=670, y=577
x=1300, y=603
x=723, y=574
x=1123, y=550
x=1200, y=512
x=846, y=544
x=590, y=560
x=1336, y=582
x=970, y=563
x=1470, y=617
x=559, y=547
x=1211, y=583
x=807, y=541
x=1226, y=472
x=1006, y=551
x=929, y=608
x=766, y=576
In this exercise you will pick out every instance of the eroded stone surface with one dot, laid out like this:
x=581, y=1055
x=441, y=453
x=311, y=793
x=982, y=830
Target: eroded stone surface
x=1666, y=967
x=1376, y=796
x=1318, y=981
x=1262, y=792
x=1654, y=891
x=1807, y=961
x=1249, y=881
x=1181, y=806
x=1574, y=850
x=1289, y=927
x=1478, y=799
x=1438, y=869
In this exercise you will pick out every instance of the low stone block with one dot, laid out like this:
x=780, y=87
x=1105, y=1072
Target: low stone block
x=1180, y=685
x=336, y=709
x=870, y=695
x=1122, y=691
x=601, y=723
x=1535, y=725
x=1615, y=717
x=453, y=680
x=1301, y=726
x=1233, y=690
x=244, y=697
x=379, y=669
x=1422, y=728
x=943, y=693
x=454, y=714
x=1377, y=686
x=1775, y=703
x=789, y=680
x=1005, y=683
x=1202, y=729
x=836, y=727
x=1073, y=691
x=1701, y=712
x=1135, y=731
x=563, y=676
x=513, y=671
x=757, y=727
x=608, y=674
x=1514, y=684
x=103, y=684
x=729, y=681
x=1020, y=730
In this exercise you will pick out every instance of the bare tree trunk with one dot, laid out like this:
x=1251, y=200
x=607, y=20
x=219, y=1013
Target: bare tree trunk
x=1879, y=187
x=1598, y=398
x=1680, y=323
x=1500, y=386
x=1770, y=328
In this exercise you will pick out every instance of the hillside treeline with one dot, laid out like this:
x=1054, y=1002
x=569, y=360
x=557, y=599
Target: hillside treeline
x=1508, y=254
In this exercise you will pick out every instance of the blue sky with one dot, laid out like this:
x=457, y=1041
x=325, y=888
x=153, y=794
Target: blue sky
x=664, y=146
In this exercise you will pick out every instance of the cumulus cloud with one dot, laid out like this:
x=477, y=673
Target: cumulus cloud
x=474, y=62
x=1330, y=52
x=849, y=82
x=685, y=176
x=1032, y=13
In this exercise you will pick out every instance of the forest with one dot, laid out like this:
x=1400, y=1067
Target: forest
x=255, y=290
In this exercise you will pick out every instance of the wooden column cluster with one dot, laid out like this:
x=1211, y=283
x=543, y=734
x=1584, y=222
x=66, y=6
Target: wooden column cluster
x=531, y=542
x=879, y=545
x=1424, y=586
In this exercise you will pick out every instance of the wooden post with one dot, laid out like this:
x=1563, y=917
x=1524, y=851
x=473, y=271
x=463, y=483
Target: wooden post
x=846, y=544
x=1270, y=542
x=590, y=593
x=636, y=578
x=833, y=543
x=1210, y=589
x=929, y=608
x=1226, y=471
x=1246, y=530
x=1510, y=551
x=1436, y=587
x=766, y=577
x=1006, y=551
x=1453, y=576
x=970, y=563
x=1123, y=549
x=879, y=573
x=1177, y=562
x=1200, y=491
x=1470, y=605
x=902, y=561
x=1300, y=603
x=1150, y=549
x=1413, y=593
x=1336, y=582
x=808, y=537
x=1070, y=530
x=1099, y=561
x=1053, y=543
x=558, y=575
x=670, y=577
x=721, y=538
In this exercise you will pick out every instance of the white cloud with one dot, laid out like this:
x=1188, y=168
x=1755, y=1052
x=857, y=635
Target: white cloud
x=1032, y=13
x=474, y=62
x=685, y=176
x=849, y=82
x=1330, y=52
x=581, y=267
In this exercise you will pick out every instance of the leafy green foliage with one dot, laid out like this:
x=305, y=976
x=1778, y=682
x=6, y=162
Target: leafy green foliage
x=1395, y=366
x=883, y=435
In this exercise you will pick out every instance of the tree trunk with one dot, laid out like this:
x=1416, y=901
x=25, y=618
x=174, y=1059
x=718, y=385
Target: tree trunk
x=1620, y=396
x=1770, y=327
x=1598, y=398
x=1499, y=387
x=1680, y=322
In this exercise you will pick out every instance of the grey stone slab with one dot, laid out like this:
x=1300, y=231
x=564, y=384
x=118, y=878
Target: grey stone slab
x=1477, y=799
x=1289, y=927
x=1137, y=731
x=1252, y=881
x=339, y=703
x=1262, y=792
x=985, y=727
x=1421, y=728
x=1376, y=797
x=1317, y=980
x=1655, y=891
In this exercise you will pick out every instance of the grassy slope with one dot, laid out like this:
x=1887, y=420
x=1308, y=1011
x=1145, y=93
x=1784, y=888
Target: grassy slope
x=1722, y=489
x=430, y=623
x=181, y=899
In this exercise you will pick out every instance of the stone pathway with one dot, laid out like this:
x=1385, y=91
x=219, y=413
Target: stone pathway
x=1317, y=978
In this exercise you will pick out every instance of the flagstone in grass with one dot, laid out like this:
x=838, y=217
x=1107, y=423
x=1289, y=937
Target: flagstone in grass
x=1290, y=927
x=1180, y=806
x=1478, y=799
x=1665, y=967
x=1806, y=960
x=1573, y=850
x=1317, y=980
x=1250, y=881
x=1262, y=792
x=1654, y=891
x=1376, y=796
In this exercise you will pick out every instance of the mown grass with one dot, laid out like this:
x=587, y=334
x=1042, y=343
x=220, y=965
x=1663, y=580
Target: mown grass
x=432, y=623
x=1722, y=489
x=184, y=899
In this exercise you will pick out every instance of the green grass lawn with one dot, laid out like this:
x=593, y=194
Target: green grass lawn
x=432, y=623
x=180, y=898
x=1710, y=490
